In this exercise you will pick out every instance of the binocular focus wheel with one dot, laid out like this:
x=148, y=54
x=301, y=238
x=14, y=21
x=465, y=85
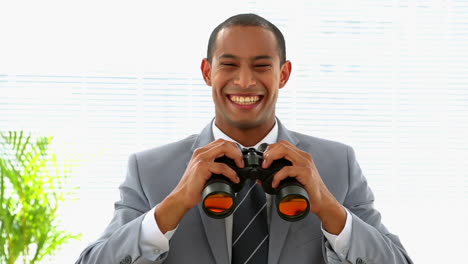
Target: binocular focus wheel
x=292, y=203
x=218, y=200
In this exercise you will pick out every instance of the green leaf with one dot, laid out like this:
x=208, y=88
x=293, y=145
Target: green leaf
x=31, y=189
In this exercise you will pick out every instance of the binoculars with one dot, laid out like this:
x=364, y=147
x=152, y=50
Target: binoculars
x=292, y=201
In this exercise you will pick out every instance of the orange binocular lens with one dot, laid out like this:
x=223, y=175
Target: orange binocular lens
x=218, y=203
x=293, y=205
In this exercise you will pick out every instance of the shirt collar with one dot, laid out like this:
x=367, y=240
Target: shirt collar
x=270, y=138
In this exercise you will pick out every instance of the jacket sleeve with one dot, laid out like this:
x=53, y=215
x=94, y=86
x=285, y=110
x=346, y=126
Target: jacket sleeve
x=370, y=241
x=119, y=244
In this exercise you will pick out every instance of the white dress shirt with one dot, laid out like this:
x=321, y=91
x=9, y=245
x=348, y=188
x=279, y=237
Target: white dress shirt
x=154, y=244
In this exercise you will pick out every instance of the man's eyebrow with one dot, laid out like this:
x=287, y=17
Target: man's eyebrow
x=227, y=56
x=262, y=57
x=259, y=57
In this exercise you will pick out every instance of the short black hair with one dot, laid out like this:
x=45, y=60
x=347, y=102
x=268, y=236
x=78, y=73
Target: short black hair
x=248, y=20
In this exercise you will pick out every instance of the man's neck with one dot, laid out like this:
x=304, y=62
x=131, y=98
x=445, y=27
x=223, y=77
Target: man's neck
x=248, y=136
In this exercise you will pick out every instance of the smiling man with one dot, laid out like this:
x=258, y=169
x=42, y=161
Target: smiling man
x=159, y=218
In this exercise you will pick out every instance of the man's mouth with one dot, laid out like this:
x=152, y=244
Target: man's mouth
x=245, y=100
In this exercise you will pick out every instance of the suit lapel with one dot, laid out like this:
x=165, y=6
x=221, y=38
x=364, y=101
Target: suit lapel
x=279, y=228
x=215, y=229
x=204, y=138
x=284, y=134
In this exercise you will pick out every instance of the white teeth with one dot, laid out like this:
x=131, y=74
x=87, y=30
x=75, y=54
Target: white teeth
x=245, y=100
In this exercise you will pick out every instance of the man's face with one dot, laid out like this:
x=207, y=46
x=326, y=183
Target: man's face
x=245, y=74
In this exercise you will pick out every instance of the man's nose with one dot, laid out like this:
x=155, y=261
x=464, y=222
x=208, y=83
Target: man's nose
x=245, y=78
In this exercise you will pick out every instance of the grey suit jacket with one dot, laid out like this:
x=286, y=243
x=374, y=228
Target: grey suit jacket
x=154, y=173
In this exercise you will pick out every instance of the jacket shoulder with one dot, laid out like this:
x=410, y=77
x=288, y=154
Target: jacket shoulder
x=310, y=142
x=168, y=150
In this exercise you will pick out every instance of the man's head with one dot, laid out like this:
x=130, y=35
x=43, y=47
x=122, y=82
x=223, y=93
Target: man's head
x=248, y=20
x=246, y=71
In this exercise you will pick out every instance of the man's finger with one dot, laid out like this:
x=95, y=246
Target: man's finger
x=221, y=168
x=286, y=171
x=285, y=150
x=220, y=148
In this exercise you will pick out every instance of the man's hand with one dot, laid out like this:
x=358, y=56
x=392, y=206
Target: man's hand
x=187, y=194
x=322, y=202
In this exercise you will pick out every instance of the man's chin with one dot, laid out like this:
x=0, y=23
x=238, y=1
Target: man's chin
x=245, y=124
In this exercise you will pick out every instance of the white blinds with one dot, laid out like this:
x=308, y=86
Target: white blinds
x=387, y=77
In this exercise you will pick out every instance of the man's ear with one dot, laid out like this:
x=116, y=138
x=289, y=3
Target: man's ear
x=285, y=73
x=206, y=71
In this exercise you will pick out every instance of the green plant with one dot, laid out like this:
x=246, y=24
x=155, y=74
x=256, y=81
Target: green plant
x=32, y=183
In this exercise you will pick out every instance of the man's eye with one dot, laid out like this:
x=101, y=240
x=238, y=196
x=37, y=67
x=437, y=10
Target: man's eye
x=262, y=67
x=228, y=64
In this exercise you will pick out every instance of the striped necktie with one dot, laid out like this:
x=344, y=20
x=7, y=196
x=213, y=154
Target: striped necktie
x=250, y=227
